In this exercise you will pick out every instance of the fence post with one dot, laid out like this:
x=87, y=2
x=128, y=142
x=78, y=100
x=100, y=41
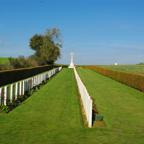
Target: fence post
x=12, y=93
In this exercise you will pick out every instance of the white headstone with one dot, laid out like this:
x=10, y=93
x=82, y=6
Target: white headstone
x=21, y=88
x=1, y=95
x=27, y=86
x=12, y=93
x=71, y=64
x=6, y=95
x=34, y=81
x=17, y=91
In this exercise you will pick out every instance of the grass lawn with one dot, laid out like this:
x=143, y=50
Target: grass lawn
x=4, y=60
x=127, y=68
x=122, y=106
x=52, y=115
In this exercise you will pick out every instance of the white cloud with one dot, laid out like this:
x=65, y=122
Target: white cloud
x=4, y=43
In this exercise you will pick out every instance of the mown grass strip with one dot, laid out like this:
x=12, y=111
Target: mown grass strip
x=44, y=115
x=52, y=115
x=122, y=106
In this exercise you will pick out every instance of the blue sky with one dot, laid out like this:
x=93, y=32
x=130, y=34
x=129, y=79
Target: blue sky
x=98, y=32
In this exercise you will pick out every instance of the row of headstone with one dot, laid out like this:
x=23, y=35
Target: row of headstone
x=86, y=99
x=23, y=86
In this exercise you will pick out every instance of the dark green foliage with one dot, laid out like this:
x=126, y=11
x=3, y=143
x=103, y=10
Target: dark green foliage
x=47, y=46
x=5, y=108
x=20, y=62
x=15, y=104
x=98, y=117
x=36, y=61
x=35, y=42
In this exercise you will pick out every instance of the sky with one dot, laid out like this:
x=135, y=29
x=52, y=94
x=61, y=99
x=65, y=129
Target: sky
x=98, y=32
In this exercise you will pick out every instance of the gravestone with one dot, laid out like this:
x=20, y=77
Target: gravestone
x=71, y=64
x=6, y=95
x=12, y=93
x=17, y=91
x=1, y=94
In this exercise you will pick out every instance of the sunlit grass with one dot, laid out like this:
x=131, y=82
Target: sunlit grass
x=122, y=106
x=52, y=115
x=4, y=60
x=128, y=68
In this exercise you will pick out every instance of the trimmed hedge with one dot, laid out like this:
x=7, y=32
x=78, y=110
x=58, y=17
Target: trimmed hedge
x=131, y=79
x=10, y=76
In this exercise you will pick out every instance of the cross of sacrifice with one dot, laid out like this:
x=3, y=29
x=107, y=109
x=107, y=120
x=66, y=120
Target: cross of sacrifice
x=72, y=57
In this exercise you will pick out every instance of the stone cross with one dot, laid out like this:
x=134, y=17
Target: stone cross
x=72, y=57
x=71, y=64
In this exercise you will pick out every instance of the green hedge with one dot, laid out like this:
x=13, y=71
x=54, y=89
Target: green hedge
x=131, y=79
x=11, y=76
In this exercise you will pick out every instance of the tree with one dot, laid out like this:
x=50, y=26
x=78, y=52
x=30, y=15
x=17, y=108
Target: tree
x=47, y=46
x=35, y=42
x=55, y=35
x=49, y=51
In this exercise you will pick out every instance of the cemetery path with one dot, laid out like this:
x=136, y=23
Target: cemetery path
x=52, y=115
x=122, y=106
x=54, y=109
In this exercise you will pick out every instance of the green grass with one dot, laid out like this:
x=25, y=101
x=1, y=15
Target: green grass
x=61, y=64
x=48, y=116
x=52, y=115
x=122, y=106
x=4, y=60
x=128, y=68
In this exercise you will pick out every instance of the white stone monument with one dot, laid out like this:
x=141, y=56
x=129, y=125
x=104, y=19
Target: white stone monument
x=71, y=64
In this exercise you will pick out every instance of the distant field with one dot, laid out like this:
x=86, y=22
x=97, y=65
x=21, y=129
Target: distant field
x=128, y=68
x=4, y=60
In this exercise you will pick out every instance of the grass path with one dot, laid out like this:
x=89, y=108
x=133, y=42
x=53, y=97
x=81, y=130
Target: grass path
x=52, y=115
x=47, y=115
x=122, y=106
